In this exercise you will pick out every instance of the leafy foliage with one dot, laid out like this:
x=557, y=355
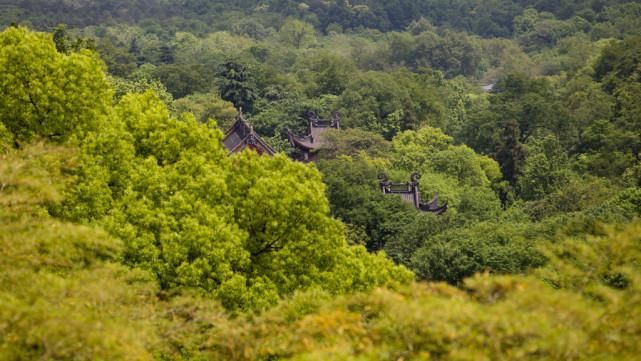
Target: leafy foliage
x=121, y=207
x=490, y=317
x=188, y=213
x=237, y=86
x=45, y=93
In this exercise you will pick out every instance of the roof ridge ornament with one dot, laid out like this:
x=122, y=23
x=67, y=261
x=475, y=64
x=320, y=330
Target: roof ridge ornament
x=309, y=144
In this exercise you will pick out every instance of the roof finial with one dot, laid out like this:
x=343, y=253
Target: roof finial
x=242, y=118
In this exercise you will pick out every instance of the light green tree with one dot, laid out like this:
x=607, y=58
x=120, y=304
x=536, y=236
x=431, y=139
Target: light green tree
x=247, y=230
x=415, y=148
x=46, y=93
x=298, y=34
x=291, y=239
x=206, y=106
x=545, y=169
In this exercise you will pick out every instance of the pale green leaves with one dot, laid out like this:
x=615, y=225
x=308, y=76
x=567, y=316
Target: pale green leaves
x=48, y=94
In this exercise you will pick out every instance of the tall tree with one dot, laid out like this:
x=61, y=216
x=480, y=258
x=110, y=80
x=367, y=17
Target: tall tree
x=237, y=85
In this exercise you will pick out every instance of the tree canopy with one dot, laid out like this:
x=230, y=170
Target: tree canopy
x=129, y=231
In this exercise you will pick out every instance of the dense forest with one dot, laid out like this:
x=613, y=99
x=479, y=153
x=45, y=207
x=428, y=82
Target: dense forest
x=128, y=232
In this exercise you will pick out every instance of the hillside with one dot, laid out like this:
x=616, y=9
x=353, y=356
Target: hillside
x=121, y=206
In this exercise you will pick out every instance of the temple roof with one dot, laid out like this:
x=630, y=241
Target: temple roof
x=313, y=140
x=433, y=207
x=409, y=192
x=242, y=135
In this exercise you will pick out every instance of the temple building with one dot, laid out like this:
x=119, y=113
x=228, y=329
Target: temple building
x=241, y=135
x=309, y=144
x=410, y=193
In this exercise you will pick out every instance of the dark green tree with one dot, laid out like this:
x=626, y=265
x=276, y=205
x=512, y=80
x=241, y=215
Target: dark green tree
x=510, y=153
x=237, y=85
x=166, y=54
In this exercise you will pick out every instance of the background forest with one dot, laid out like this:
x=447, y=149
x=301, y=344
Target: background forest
x=126, y=232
